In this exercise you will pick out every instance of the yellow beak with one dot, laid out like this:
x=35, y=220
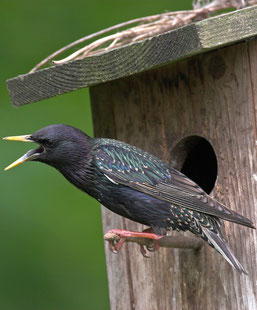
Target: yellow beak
x=25, y=138
x=28, y=156
x=19, y=161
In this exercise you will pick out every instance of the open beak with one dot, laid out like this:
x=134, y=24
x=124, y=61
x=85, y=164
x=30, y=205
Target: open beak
x=30, y=155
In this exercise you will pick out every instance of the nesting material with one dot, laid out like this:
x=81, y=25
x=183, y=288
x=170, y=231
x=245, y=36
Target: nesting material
x=144, y=28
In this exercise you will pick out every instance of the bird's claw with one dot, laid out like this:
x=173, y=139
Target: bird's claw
x=143, y=251
x=151, y=248
x=154, y=246
x=112, y=247
x=116, y=246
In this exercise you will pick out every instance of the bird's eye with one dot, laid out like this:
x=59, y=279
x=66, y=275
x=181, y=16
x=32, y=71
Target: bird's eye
x=48, y=143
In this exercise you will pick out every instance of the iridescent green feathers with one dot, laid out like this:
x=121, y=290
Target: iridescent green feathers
x=132, y=167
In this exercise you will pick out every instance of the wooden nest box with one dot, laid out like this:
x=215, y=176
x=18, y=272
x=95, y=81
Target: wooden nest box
x=188, y=96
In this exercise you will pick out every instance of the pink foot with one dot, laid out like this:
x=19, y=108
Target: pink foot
x=124, y=234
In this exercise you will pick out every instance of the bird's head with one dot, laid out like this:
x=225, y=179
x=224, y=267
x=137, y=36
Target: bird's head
x=58, y=145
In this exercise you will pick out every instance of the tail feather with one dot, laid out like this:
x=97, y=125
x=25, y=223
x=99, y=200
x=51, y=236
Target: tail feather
x=220, y=245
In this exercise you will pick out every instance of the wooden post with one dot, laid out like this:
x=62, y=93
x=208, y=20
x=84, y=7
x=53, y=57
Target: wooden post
x=211, y=95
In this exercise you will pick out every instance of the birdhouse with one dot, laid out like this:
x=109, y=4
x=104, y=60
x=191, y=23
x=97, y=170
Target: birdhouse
x=188, y=96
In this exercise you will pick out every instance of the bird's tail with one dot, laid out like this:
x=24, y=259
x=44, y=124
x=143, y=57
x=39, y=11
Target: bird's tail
x=217, y=241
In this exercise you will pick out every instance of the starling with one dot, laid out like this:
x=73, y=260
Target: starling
x=133, y=184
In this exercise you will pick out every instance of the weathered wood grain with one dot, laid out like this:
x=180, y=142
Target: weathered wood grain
x=212, y=95
x=134, y=58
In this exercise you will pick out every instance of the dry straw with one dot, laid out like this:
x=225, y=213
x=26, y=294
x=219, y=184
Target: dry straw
x=145, y=27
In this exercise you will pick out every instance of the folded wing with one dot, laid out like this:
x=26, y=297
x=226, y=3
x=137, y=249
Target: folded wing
x=145, y=173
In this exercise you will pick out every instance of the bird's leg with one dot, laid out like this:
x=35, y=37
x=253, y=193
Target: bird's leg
x=124, y=234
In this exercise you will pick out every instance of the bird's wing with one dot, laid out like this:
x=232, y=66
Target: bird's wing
x=148, y=174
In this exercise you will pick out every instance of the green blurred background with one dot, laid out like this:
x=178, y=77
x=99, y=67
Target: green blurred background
x=51, y=245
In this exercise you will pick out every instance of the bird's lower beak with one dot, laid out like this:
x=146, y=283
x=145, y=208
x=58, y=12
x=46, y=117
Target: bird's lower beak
x=30, y=155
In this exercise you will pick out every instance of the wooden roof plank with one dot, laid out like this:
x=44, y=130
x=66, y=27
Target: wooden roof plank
x=137, y=57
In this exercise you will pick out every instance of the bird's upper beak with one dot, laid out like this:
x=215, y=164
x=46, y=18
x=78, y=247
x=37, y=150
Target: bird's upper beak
x=30, y=155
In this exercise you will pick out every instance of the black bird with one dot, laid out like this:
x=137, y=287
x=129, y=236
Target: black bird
x=133, y=184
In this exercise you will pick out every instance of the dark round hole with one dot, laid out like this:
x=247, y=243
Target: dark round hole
x=195, y=157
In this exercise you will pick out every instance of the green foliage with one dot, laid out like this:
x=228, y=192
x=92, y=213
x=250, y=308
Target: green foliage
x=52, y=254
